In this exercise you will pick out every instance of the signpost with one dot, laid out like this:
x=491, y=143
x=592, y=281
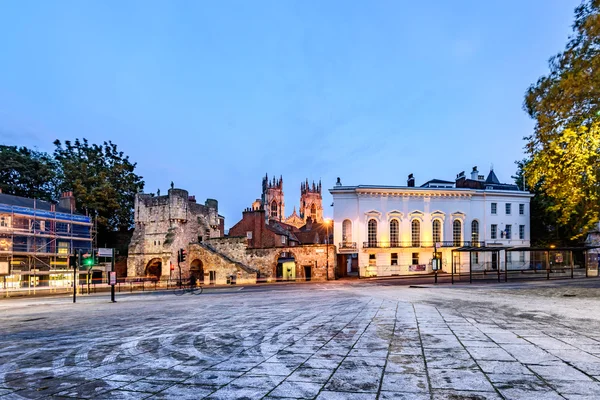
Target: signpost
x=113, y=273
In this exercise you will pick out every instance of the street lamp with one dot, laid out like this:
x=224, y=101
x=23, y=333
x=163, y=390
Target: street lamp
x=327, y=222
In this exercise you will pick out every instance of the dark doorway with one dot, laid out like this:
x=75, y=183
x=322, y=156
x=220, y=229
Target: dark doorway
x=279, y=271
x=154, y=268
x=494, y=260
x=307, y=272
x=197, y=270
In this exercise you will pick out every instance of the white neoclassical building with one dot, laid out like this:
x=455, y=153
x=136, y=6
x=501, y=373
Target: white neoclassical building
x=397, y=230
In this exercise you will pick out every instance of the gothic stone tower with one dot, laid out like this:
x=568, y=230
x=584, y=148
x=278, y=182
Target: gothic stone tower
x=311, y=202
x=272, y=198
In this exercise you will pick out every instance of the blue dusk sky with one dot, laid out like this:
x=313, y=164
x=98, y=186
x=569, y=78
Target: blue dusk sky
x=213, y=95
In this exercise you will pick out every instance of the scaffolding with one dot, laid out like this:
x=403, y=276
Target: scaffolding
x=35, y=244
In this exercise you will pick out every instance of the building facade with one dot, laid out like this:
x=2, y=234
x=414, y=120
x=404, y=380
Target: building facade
x=36, y=238
x=397, y=230
x=165, y=224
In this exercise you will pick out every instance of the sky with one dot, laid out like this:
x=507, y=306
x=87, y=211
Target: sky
x=214, y=95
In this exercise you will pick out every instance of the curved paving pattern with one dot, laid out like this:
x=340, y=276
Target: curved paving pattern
x=319, y=341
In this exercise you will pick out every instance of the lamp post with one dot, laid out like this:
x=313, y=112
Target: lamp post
x=327, y=221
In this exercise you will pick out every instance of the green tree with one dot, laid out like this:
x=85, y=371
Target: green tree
x=102, y=180
x=28, y=173
x=545, y=228
x=564, y=147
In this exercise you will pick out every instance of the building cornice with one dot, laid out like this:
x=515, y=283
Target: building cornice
x=392, y=191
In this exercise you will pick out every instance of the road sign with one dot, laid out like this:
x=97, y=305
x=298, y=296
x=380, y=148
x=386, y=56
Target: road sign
x=112, y=278
x=103, y=252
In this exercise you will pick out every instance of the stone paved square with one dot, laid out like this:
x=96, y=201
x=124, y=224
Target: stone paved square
x=341, y=340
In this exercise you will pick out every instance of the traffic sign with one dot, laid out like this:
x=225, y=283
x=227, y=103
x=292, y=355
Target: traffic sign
x=112, y=278
x=104, y=252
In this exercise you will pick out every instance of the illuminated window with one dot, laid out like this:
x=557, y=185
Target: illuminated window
x=416, y=233
x=394, y=231
x=437, y=231
x=347, y=231
x=372, y=233
x=494, y=208
x=274, y=209
x=456, y=232
x=474, y=232
x=494, y=231
x=4, y=221
x=372, y=260
x=415, y=258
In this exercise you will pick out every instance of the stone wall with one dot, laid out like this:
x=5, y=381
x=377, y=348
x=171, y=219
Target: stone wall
x=205, y=260
x=165, y=224
x=265, y=260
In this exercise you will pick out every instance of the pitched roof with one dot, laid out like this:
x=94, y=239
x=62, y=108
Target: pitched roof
x=19, y=201
x=492, y=178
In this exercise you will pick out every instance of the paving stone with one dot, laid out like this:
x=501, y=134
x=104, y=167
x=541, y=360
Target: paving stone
x=568, y=387
x=459, y=379
x=504, y=367
x=212, y=378
x=405, y=383
x=559, y=372
x=405, y=364
x=316, y=375
x=329, y=395
x=296, y=390
x=464, y=395
x=490, y=353
x=364, y=379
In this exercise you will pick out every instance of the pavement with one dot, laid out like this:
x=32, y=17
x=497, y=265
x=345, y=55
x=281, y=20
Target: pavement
x=334, y=340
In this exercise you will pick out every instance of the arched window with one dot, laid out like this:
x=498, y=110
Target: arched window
x=347, y=231
x=274, y=209
x=456, y=232
x=416, y=233
x=437, y=231
x=372, y=233
x=313, y=212
x=475, y=233
x=394, y=233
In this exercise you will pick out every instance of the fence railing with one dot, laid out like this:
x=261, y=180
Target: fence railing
x=420, y=243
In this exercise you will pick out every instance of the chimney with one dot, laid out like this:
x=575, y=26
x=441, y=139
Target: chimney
x=411, y=181
x=308, y=223
x=474, y=173
x=67, y=200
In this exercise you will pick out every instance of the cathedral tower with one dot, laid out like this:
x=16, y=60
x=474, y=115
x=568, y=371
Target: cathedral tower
x=272, y=198
x=311, y=202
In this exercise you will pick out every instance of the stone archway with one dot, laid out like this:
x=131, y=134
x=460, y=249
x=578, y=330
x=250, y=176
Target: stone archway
x=285, y=266
x=197, y=270
x=154, y=268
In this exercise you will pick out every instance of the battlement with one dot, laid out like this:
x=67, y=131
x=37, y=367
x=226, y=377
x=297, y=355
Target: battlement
x=305, y=187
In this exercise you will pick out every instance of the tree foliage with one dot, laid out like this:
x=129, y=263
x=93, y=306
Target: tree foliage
x=563, y=150
x=28, y=173
x=102, y=180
